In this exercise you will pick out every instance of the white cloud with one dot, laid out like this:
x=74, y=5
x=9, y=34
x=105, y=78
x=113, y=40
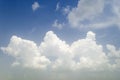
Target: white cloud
x=95, y=14
x=55, y=53
x=114, y=55
x=35, y=6
x=58, y=25
x=26, y=53
x=113, y=51
x=86, y=9
x=89, y=53
x=57, y=6
x=56, y=50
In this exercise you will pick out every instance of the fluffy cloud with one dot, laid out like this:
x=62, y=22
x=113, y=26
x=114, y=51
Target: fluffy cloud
x=114, y=56
x=57, y=50
x=55, y=53
x=95, y=14
x=35, y=6
x=26, y=53
x=89, y=53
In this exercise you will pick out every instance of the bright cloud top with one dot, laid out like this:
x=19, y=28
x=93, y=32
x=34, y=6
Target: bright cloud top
x=35, y=6
x=95, y=14
x=55, y=53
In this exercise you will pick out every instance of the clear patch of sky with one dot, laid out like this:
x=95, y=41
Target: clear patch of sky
x=17, y=17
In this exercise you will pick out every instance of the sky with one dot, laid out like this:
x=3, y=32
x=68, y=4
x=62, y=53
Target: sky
x=59, y=40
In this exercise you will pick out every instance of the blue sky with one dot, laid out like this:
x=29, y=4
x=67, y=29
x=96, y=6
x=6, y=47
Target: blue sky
x=17, y=17
x=40, y=36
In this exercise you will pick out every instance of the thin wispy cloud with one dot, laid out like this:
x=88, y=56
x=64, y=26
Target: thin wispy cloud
x=35, y=6
x=58, y=25
x=95, y=14
x=57, y=6
x=66, y=10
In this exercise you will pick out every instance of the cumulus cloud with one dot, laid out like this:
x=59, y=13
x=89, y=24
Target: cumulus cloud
x=114, y=55
x=58, y=51
x=58, y=25
x=95, y=14
x=35, y=6
x=56, y=54
x=89, y=53
x=26, y=53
